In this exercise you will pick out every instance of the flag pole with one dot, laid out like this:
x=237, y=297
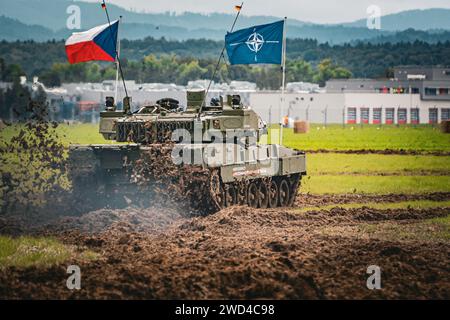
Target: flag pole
x=218, y=61
x=115, y=49
x=283, y=81
x=117, y=62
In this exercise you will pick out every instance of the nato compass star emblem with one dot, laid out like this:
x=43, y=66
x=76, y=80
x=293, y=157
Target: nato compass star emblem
x=255, y=42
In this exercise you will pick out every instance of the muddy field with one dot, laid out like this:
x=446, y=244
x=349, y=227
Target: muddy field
x=240, y=253
x=304, y=252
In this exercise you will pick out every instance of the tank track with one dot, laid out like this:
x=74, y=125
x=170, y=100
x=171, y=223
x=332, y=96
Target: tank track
x=271, y=192
x=207, y=194
x=117, y=177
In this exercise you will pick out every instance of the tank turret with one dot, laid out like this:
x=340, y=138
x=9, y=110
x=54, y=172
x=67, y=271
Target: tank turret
x=152, y=123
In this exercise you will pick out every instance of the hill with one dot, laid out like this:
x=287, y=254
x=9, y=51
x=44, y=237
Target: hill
x=20, y=22
x=416, y=19
x=54, y=16
x=12, y=30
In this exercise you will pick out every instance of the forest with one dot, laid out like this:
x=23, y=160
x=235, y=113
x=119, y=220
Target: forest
x=167, y=61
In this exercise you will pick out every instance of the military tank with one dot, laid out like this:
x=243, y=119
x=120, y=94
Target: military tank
x=219, y=150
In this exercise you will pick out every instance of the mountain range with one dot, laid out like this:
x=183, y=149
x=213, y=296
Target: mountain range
x=42, y=20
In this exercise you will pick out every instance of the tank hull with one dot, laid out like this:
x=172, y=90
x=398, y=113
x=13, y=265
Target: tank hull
x=221, y=174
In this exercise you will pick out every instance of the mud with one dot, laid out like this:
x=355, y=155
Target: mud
x=392, y=174
x=162, y=252
x=306, y=199
x=149, y=220
x=383, y=151
x=238, y=253
x=32, y=162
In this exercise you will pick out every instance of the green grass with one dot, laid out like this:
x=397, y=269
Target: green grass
x=419, y=204
x=376, y=174
x=340, y=184
x=335, y=137
x=81, y=134
x=429, y=230
x=443, y=226
x=28, y=251
x=69, y=134
x=333, y=163
x=41, y=252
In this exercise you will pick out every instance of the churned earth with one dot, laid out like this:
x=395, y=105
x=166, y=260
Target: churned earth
x=243, y=253
x=319, y=249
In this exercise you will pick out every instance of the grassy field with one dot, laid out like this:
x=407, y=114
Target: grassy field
x=335, y=137
x=69, y=134
x=40, y=252
x=81, y=134
x=375, y=164
x=373, y=173
x=376, y=174
x=345, y=173
x=341, y=184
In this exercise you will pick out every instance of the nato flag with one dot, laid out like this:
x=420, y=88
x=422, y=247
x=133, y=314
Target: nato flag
x=258, y=44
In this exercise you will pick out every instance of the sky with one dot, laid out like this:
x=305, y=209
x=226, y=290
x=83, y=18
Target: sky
x=319, y=11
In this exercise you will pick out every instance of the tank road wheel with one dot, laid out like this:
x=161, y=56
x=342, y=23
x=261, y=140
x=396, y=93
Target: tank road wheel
x=231, y=196
x=253, y=195
x=273, y=194
x=284, y=193
x=216, y=189
x=264, y=195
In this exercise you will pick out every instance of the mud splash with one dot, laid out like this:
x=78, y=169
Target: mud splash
x=32, y=163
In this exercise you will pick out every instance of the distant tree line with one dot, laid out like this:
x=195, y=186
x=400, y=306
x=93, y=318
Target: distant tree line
x=173, y=69
x=162, y=60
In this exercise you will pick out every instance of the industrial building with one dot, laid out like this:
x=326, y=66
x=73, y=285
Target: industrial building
x=416, y=95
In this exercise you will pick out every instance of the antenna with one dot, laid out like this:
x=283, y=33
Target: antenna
x=218, y=61
x=115, y=48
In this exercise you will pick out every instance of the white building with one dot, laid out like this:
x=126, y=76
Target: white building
x=414, y=95
x=350, y=108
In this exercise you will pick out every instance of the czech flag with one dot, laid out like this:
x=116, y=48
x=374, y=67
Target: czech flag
x=98, y=43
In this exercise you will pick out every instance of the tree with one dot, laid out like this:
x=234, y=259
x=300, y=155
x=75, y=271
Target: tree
x=299, y=70
x=341, y=73
x=51, y=78
x=191, y=71
x=389, y=73
x=11, y=72
x=328, y=70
